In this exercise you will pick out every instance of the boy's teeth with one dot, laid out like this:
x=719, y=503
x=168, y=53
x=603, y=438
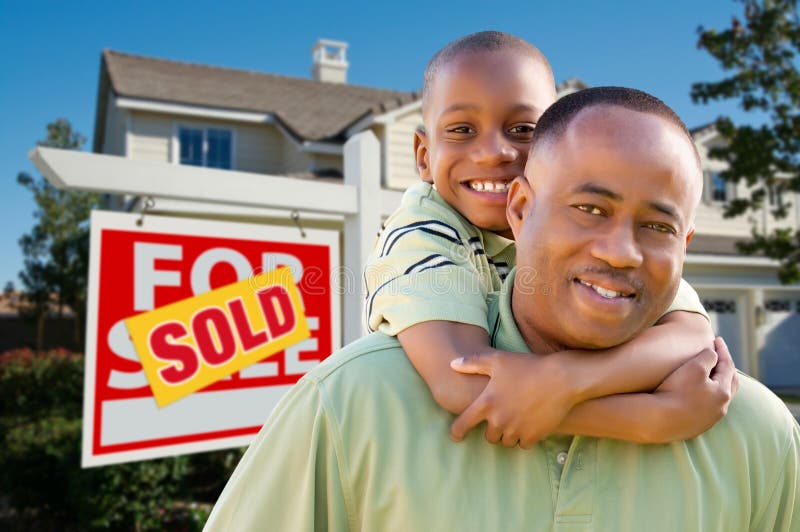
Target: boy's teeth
x=608, y=294
x=489, y=186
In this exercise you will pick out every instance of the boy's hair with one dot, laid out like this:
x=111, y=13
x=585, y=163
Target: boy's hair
x=482, y=41
x=555, y=120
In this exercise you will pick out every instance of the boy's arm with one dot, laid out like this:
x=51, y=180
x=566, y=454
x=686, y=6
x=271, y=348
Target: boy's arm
x=511, y=402
x=642, y=363
x=549, y=391
x=688, y=402
x=432, y=345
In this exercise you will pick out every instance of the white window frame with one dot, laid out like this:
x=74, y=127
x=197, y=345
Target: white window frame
x=175, y=144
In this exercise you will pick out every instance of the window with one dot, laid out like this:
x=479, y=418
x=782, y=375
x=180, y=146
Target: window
x=775, y=196
x=719, y=188
x=211, y=147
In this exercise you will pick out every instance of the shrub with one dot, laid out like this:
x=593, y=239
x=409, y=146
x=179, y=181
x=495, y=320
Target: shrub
x=43, y=483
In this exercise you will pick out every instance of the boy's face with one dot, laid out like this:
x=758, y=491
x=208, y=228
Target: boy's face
x=602, y=224
x=479, y=117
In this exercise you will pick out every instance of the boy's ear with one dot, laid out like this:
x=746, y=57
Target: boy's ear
x=519, y=203
x=421, y=155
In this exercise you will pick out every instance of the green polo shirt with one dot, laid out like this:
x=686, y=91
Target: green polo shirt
x=359, y=444
x=430, y=263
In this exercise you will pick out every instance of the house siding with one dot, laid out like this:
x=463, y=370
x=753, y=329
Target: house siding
x=293, y=159
x=150, y=137
x=114, y=132
x=258, y=148
x=710, y=218
x=324, y=161
x=400, y=166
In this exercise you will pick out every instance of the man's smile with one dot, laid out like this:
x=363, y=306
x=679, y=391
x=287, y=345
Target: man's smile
x=605, y=292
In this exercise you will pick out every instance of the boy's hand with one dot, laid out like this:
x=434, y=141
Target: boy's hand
x=696, y=395
x=525, y=400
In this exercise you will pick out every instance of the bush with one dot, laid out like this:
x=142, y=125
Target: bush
x=43, y=484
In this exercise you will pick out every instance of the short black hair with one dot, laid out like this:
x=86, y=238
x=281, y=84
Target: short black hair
x=557, y=118
x=482, y=41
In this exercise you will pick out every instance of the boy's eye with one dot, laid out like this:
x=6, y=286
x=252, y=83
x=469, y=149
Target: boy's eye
x=590, y=209
x=522, y=130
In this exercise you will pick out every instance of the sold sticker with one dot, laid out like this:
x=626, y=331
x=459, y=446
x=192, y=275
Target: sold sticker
x=195, y=342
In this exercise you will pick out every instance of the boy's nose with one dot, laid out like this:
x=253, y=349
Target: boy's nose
x=495, y=149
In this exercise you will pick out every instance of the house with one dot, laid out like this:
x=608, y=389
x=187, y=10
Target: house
x=180, y=113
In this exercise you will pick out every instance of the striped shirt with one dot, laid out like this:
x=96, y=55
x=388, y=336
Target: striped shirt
x=430, y=263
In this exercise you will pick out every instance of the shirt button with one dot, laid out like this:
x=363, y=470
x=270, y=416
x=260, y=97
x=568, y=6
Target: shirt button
x=561, y=458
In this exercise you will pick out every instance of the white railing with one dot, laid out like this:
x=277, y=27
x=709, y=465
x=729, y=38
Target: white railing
x=360, y=200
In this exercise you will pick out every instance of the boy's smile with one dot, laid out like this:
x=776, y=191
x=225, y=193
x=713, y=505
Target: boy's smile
x=479, y=116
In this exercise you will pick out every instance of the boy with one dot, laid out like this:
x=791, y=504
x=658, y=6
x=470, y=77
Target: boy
x=449, y=245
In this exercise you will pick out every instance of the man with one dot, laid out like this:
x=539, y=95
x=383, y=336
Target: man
x=601, y=225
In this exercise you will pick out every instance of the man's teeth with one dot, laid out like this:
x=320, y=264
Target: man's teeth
x=489, y=186
x=606, y=293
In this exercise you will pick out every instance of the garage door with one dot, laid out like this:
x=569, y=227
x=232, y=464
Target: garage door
x=780, y=356
x=726, y=309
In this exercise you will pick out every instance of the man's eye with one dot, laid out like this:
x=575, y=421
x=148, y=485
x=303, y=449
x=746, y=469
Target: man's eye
x=590, y=209
x=661, y=228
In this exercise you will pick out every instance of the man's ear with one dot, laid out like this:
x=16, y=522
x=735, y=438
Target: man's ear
x=689, y=236
x=518, y=204
x=421, y=155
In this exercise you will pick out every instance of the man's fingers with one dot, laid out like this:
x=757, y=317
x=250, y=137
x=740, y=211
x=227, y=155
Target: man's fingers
x=480, y=365
x=470, y=417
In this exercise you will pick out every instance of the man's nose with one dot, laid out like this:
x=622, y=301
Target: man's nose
x=494, y=149
x=616, y=245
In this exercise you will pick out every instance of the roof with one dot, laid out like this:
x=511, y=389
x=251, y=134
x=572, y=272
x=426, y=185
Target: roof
x=309, y=109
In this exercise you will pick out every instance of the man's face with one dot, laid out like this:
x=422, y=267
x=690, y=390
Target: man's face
x=479, y=117
x=602, y=224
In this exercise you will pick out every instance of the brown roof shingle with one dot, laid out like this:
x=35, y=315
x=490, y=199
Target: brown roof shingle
x=311, y=110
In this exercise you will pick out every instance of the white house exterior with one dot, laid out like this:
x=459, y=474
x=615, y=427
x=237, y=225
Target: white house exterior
x=171, y=112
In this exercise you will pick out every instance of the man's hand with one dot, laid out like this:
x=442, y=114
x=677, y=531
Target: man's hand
x=525, y=400
x=696, y=395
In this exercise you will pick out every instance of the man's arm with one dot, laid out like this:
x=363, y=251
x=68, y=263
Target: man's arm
x=289, y=477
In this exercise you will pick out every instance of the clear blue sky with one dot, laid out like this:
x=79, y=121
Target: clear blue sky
x=51, y=55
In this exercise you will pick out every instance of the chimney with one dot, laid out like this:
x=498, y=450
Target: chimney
x=330, y=61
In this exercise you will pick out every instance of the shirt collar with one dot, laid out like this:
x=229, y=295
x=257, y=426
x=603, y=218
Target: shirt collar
x=503, y=328
x=494, y=244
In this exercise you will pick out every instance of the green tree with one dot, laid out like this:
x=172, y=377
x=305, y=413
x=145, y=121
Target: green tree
x=56, y=250
x=760, y=54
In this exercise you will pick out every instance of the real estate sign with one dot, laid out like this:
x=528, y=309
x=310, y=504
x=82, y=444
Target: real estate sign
x=255, y=288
